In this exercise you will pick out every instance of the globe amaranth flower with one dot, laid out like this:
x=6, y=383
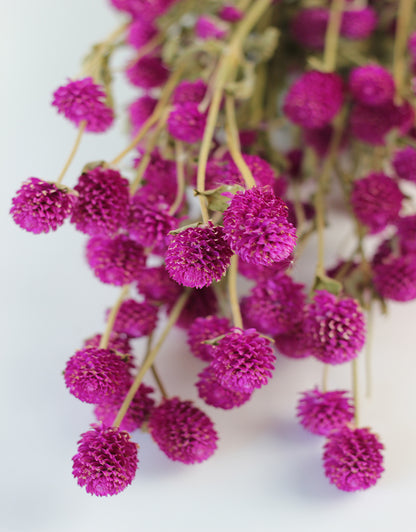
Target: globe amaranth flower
x=93, y=374
x=323, y=412
x=103, y=199
x=406, y=233
x=137, y=413
x=314, y=99
x=140, y=32
x=394, y=276
x=352, y=459
x=295, y=342
x=371, y=85
x=371, y=124
x=135, y=319
x=148, y=9
x=214, y=394
x=139, y=111
x=358, y=24
x=336, y=328
x=198, y=256
x=157, y=287
x=182, y=431
x=106, y=461
x=83, y=100
x=274, y=304
x=189, y=91
x=224, y=171
x=186, y=122
x=117, y=342
x=256, y=227
x=376, y=201
x=159, y=180
x=147, y=72
x=230, y=13
x=117, y=260
x=202, y=302
x=206, y=328
x=243, y=360
x=40, y=206
x=404, y=163
x=257, y=272
x=309, y=27
x=207, y=27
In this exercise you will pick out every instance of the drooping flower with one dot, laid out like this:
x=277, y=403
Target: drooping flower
x=206, y=328
x=404, y=163
x=83, y=100
x=40, y=206
x=371, y=85
x=103, y=199
x=106, y=461
x=323, y=412
x=243, y=360
x=198, y=256
x=257, y=228
x=93, y=374
x=117, y=260
x=214, y=394
x=336, y=328
x=147, y=72
x=182, y=431
x=352, y=459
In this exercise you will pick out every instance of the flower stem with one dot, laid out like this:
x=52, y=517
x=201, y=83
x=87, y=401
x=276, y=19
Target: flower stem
x=180, y=175
x=174, y=315
x=332, y=35
x=112, y=317
x=404, y=19
x=232, y=289
x=74, y=150
x=159, y=382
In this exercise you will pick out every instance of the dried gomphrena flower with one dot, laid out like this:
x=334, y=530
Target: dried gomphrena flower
x=214, y=394
x=206, y=328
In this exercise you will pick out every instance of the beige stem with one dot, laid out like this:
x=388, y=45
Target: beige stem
x=112, y=318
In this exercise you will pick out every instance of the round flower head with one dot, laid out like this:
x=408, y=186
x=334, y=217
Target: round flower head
x=198, y=256
x=257, y=272
x=406, y=232
x=314, y=99
x=102, y=202
x=40, y=207
x=106, y=461
x=157, y=287
x=376, y=201
x=395, y=277
x=274, y=304
x=116, y=261
x=147, y=73
x=138, y=411
x=140, y=32
x=159, y=179
x=206, y=328
x=371, y=85
x=140, y=111
x=83, y=100
x=243, y=360
x=149, y=9
x=319, y=139
x=371, y=124
x=230, y=13
x=117, y=342
x=257, y=228
x=225, y=172
x=149, y=223
x=186, y=122
x=358, y=23
x=309, y=27
x=93, y=374
x=135, y=319
x=207, y=27
x=294, y=343
x=189, y=91
x=352, y=459
x=323, y=412
x=336, y=328
x=214, y=394
x=200, y=303
x=182, y=431
x=404, y=163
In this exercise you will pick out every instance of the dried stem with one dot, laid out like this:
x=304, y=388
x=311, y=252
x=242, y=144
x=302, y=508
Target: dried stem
x=74, y=150
x=180, y=175
x=159, y=382
x=232, y=289
x=112, y=318
x=404, y=19
x=332, y=35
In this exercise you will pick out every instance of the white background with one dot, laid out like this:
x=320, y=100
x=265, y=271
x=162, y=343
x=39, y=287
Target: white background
x=266, y=474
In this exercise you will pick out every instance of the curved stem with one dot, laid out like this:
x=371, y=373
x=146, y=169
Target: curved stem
x=180, y=175
x=232, y=289
x=332, y=35
x=74, y=150
x=112, y=318
x=159, y=382
x=174, y=315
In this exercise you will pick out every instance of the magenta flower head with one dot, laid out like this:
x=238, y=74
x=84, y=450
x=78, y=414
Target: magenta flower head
x=140, y=111
x=137, y=413
x=214, y=394
x=314, y=99
x=83, y=100
x=206, y=328
x=102, y=202
x=371, y=124
x=198, y=256
x=371, y=85
x=274, y=304
x=406, y=232
x=257, y=228
x=243, y=360
x=336, y=328
x=404, y=163
x=186, y=122
x=225, y=172
x=189, y=91
x=295, y=342
x=93, y=374
x=309, y=27
x=182, y=431
x=202, y=302
x=207, y=27
x=40, y=206
x=323, y=412
x=117, y=342
x=147, y=73
x=352, y=459
x=160, y=180
x=394, y=277
x=358, y=23
x=157, y=287
x=106, y=461
x=376, y=201
x=257, y=272
x=135, y=319
x=230, y=13
x=143, y=8
x=116, y=261
x=140, y=31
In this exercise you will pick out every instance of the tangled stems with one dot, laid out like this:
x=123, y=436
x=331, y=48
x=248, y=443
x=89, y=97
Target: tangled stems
x=74, y=150
x=112, y=317
x=148, y=362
